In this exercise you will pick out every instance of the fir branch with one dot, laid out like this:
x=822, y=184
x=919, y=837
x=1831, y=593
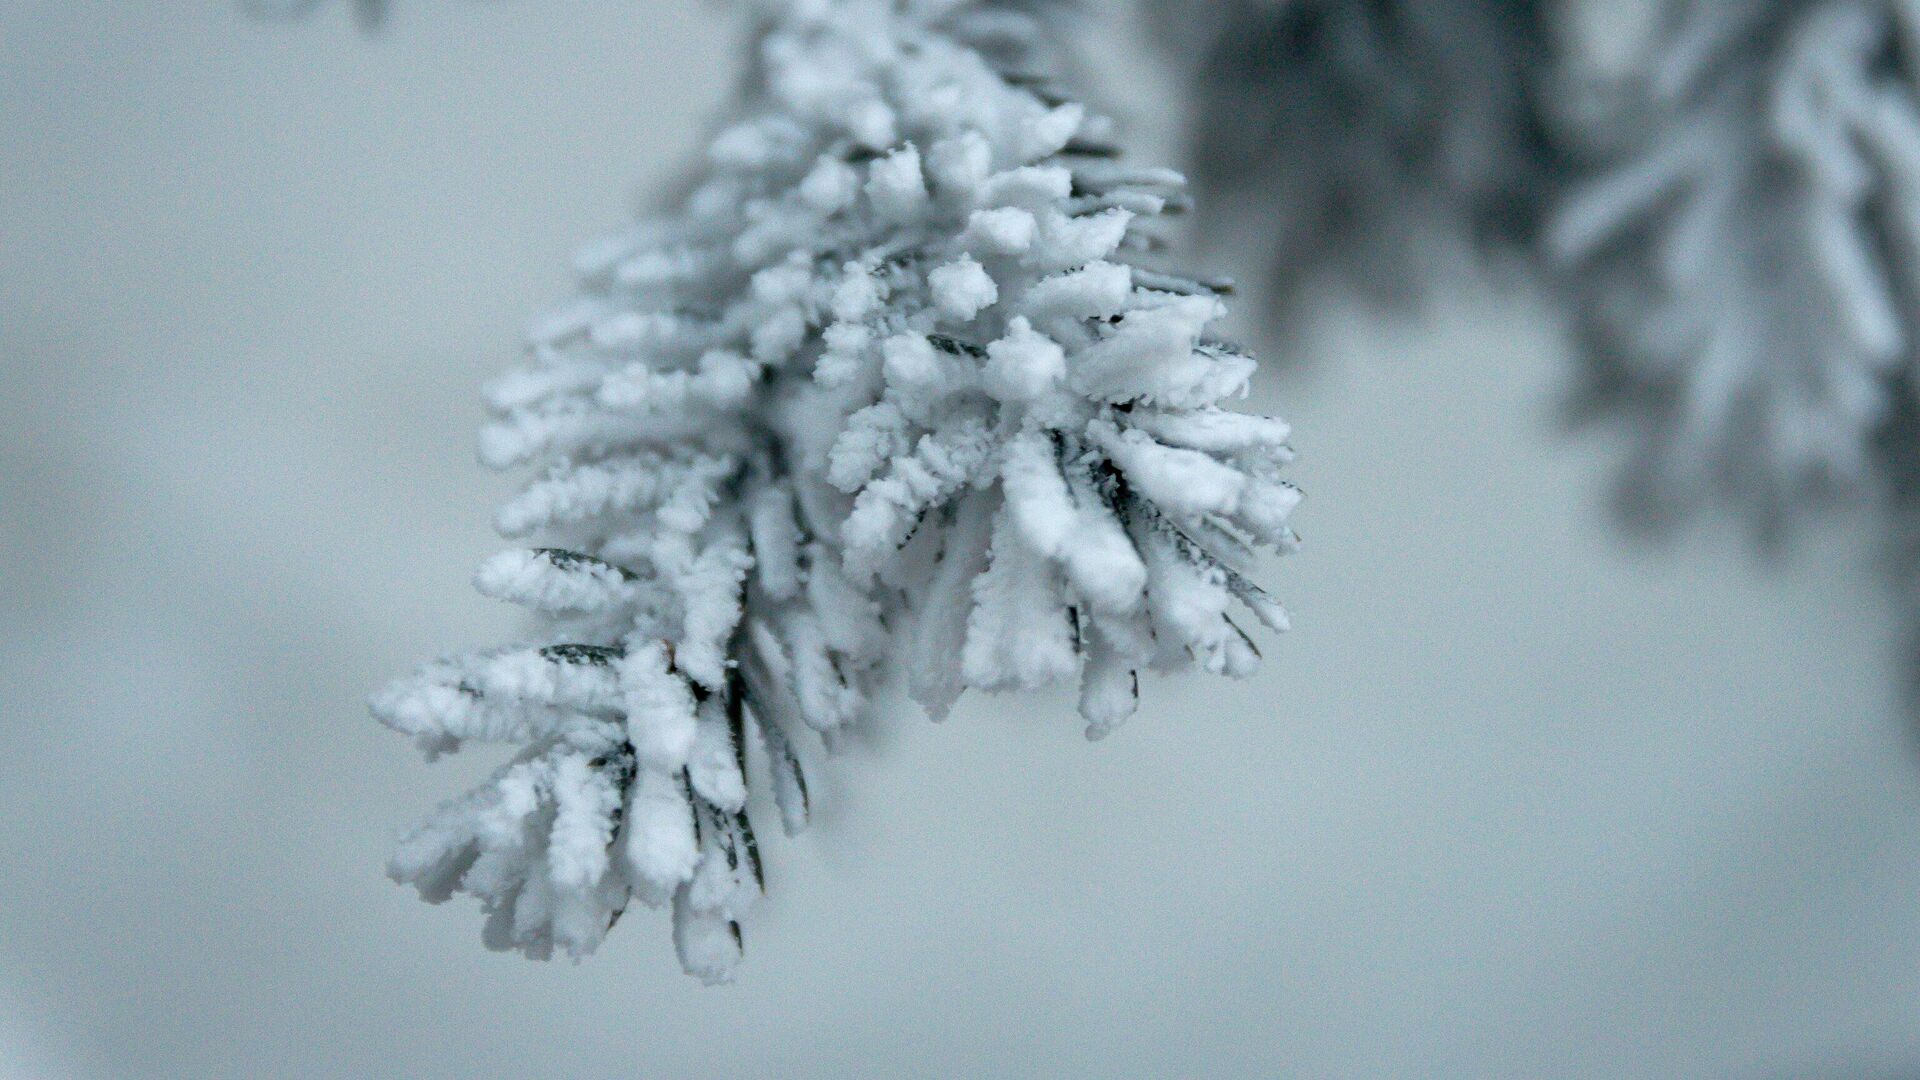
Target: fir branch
x=887, y=382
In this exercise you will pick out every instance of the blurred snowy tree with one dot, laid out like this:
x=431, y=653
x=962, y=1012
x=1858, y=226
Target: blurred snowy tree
x=1727, y=193
x=1743, y=252
x=901, y=385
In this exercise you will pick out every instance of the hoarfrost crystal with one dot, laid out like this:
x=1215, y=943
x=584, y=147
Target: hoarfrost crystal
x=899, y=387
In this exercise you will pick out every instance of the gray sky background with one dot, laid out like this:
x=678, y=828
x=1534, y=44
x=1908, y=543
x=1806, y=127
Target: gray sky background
x=1518, y=797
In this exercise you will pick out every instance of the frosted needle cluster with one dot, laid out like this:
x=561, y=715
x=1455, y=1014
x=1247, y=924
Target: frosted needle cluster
x=900, y=387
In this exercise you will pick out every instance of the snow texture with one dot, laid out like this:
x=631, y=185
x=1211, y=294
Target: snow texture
x=899, y=387
x=1361, y=138
x=1743, y=247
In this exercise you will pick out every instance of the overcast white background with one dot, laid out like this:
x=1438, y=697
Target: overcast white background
x=1519, y=797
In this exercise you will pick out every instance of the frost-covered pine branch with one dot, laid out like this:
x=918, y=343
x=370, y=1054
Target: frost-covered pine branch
x=1744, y=250
x=1360, y=138
x=899, y=386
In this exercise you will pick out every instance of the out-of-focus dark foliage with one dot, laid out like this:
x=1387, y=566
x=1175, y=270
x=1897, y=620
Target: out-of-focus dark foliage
x=1355, y=134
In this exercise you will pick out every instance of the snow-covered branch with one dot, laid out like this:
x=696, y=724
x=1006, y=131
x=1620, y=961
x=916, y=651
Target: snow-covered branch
x=900, y=386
